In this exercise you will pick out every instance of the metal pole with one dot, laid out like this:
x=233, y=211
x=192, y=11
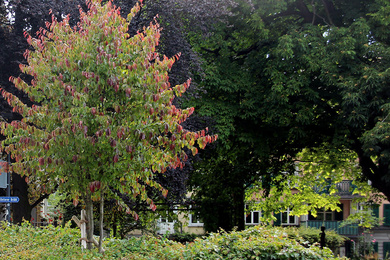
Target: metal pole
x=9, y=192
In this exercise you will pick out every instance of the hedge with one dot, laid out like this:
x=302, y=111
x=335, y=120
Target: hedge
x=27, y=242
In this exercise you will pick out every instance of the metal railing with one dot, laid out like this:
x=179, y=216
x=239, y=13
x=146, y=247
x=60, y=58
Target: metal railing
x=344, y=188
x=348, y=230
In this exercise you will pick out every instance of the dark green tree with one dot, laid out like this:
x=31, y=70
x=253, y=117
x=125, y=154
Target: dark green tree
x=287, y=75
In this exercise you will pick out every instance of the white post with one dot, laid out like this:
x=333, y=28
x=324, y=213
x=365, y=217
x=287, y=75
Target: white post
x=83, y=228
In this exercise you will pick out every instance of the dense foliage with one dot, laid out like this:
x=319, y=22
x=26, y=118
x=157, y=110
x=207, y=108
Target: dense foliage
x=103, y=121
x=283, y=76
x=62, y=243
x=313, y=235
x=29, y=15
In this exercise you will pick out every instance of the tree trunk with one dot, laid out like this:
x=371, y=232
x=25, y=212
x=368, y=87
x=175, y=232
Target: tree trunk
x=114, y=226
x=101, y=221
x=239, y=209
x=90, y=225
x=22, y=209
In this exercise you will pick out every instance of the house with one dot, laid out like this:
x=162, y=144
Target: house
x=379, y=237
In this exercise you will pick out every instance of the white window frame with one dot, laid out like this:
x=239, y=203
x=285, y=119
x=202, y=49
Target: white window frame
x=252, y=214
x=191, y=223
x=288, y=223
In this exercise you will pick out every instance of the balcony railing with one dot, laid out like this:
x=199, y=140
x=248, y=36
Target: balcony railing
x=344, y=188
x=348, y=230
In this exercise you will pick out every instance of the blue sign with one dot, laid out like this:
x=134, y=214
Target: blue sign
x=3, y=177
x=9, y=199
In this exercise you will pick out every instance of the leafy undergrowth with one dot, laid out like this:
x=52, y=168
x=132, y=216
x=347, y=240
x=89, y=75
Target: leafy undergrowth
x=27, y=242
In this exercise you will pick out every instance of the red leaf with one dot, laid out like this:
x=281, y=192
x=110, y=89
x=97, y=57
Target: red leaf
x=129, y=149
x=41, y=161
x=128, y=92
x=92, y=187
x=116, y=158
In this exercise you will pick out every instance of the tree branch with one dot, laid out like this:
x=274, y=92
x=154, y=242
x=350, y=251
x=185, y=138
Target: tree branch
x=40, y=199
x=44, y=196
x=314, y=12
x=216, y=51
x=329, y=7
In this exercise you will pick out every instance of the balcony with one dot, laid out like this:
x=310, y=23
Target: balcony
x=344, y=189
x=349, y=230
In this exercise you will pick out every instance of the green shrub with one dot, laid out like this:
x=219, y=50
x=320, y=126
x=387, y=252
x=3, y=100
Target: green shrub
x=27, y=242
x=312, y=235
x=254, y=243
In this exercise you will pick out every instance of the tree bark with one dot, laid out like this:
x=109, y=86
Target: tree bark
x=239, y=209
x=101, y=221
x=90, y=225
x=22, y=209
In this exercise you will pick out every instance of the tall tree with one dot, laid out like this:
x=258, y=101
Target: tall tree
x=30, y=15
x=287, y=75
x=104, y=117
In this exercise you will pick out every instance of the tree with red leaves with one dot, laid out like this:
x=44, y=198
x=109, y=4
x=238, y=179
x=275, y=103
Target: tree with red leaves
x=105, y=118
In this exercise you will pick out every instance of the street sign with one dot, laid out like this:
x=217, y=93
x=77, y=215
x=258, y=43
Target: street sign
x=9, y=199
x=3, y=177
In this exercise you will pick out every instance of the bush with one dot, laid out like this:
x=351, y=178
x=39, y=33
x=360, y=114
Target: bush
x=312, y=235
x=255, y=243
x=27, y=242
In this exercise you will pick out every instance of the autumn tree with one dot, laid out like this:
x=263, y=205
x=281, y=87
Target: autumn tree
x=102, y=118
x=29, y=15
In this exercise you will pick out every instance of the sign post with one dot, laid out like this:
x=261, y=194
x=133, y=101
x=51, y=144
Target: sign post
x=9, y=191
x=3, y=177
x=5, y=182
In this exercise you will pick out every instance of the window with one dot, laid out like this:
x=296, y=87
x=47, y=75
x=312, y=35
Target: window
x=195, y=220
x=288, y=219
x=253, y=217
x=328, y=215
x=166, y=224
x=375, y=210
x=386, y=248
x=386, y=214
x=166, y=219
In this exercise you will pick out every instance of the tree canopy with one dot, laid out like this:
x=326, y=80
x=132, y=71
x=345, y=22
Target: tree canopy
x=103, y=117
x=30, y=15
x=287, y=75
